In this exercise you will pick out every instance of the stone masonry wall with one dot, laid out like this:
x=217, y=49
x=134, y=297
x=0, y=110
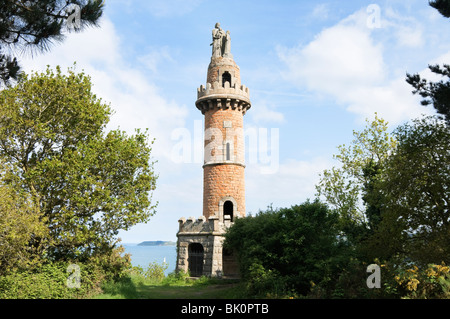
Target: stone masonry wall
x=222, y=127
x=210, y=234
x=221, y=181
x=218, y=65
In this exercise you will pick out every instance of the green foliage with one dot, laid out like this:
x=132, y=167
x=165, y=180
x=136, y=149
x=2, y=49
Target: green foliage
x=405, y=196
x=9, y=69
x=49, y=281
x=392, y=196
x=371, y=196
x=112, y=262
x=435, y=93
x=265, y=283
x=155, y=272
x=416, y=222
x=90, y=183
x=391, y=202
x=66, y=187
x=350, y=189
x=176, y=285
x=426, y=282
x=123, y=288
x=56, y=280
x=176, y=278
x=285, y=249
x=20, y=222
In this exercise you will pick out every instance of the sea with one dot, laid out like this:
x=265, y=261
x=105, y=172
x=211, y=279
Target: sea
x=144, y=255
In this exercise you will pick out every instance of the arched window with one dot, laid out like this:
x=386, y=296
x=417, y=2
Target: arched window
x=228, y=209
x=226, y=77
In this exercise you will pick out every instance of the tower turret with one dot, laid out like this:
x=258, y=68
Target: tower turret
x=223, y=101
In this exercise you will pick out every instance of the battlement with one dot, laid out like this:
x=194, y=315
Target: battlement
x=201, y=225
x=226, y=89
x=226, y=97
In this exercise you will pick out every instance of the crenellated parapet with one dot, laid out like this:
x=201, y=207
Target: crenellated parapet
x=203, y=226
x=223, y=97
x=225, y=89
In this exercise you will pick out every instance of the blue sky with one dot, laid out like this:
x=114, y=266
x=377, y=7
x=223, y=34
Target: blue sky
x=316, y=70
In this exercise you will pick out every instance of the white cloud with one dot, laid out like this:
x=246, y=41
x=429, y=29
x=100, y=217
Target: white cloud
x=410, y=36
x=321, y=11
x=136, y=101
x=291, y=184
x=407, y=31
x=344, y=62
x=155, y=57
x=262, y=113
x=339, y=57
x=440, y=60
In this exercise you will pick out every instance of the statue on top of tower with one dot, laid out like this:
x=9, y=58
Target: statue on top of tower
x=221, y=45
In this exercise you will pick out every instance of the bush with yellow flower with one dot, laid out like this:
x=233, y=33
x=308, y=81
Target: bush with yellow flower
x=431, y=282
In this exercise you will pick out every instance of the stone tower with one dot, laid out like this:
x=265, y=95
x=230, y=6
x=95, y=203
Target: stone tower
x=223, y=102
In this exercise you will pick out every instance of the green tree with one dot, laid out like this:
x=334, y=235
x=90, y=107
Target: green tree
x=416, y=184
x=350, y=189
x=35, y=24
x=435, y=93
x=90, y=183
x=20, y=222
x=286, y=248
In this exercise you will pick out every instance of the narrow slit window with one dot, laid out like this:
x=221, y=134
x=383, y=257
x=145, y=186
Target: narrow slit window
x=228, y=152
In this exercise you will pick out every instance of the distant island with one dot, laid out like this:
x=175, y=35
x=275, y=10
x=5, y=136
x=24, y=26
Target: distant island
x=158, y=243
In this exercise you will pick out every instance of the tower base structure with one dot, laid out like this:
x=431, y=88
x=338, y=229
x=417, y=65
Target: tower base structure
x=200, y=249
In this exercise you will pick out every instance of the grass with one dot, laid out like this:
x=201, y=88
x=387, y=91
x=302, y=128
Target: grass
x=136, y=286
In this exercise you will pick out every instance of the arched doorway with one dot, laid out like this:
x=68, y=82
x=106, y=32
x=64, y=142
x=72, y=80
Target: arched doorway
x=195, y=259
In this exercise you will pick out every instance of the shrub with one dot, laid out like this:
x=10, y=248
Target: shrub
x=56, y=280
x=264, y=282
x=432, y=282
x=49, y=281
x=176, y=278
x=282, y=251
x=156, y=271
x=111, y=263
